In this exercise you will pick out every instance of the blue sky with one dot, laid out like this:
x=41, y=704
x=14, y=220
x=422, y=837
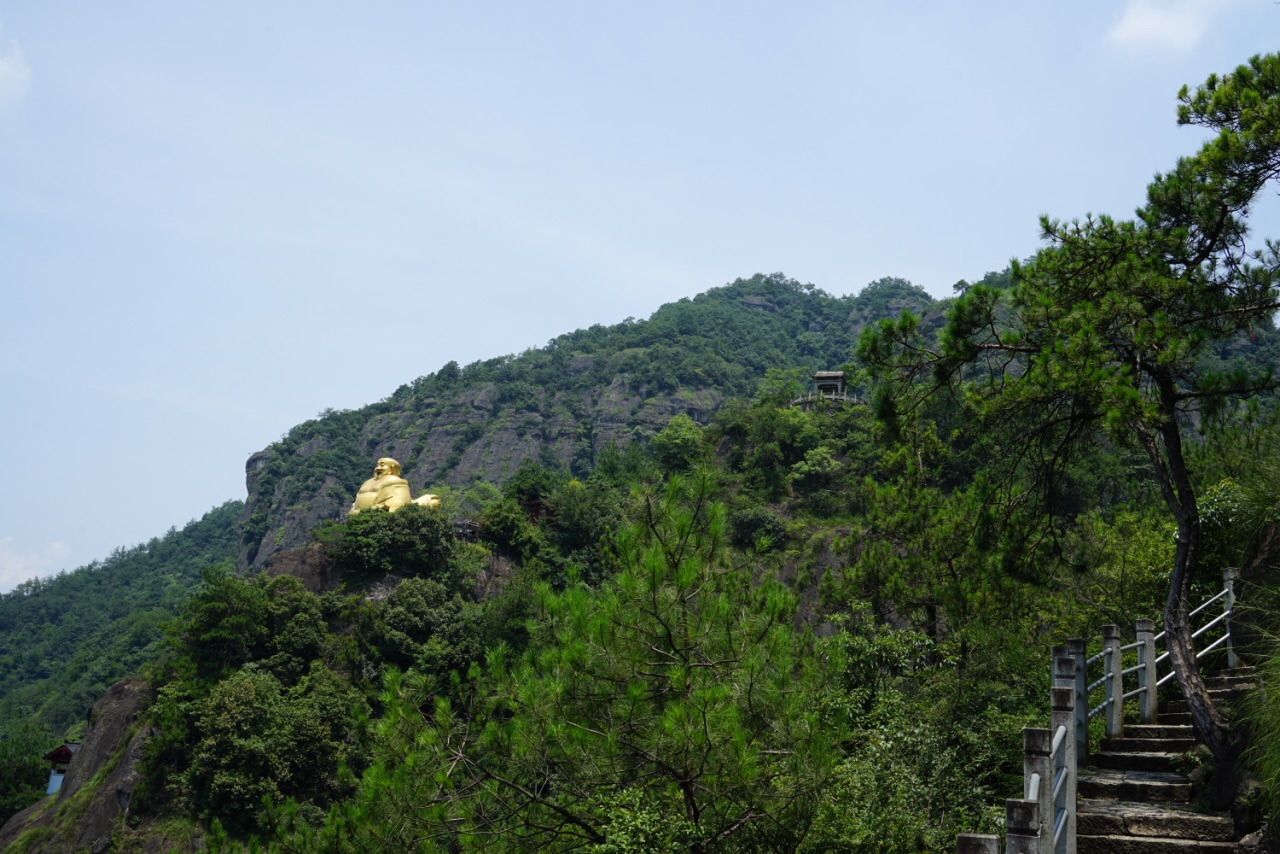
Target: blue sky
x=217, y=220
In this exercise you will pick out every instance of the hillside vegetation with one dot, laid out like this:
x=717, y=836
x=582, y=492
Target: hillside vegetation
x=563, y=403
x=688, y=615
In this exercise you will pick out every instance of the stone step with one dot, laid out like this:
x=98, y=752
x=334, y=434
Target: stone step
x=1123, y=818
x=1217, y=696
x=1147, y=845
x=1147, y=745
x=1160, y=730
x=1232, y=681
x=1183, y=718
x=1233, y=676
x=1133, y=761
x=1145, y=786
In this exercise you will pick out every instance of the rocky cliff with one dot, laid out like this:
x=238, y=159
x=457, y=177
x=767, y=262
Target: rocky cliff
x=561, y=404
x=95, y=794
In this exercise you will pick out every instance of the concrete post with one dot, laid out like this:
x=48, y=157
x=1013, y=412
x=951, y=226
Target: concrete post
x=1229, y=576
x=977, y=843
x=1114, y=686
x=1055, y=652
x=1064, y=715
x=1036, y=743
x=1022, y=826
x=1076, y=647
x=1146, y=632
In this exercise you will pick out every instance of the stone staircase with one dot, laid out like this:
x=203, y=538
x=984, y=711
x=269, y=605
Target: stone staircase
x=1132, y=800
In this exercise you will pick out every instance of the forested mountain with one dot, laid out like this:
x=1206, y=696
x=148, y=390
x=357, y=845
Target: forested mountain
x=699, y=615
x=563, y=403
x=65, y=638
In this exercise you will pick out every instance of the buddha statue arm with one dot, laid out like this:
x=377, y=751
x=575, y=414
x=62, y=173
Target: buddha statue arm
x=393, y=493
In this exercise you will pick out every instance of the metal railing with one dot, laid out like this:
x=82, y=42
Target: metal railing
x=841, y=396
x=1052, y=756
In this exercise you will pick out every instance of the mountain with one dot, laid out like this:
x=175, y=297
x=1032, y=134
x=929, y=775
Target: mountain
x=65, y=638
x=562, y=403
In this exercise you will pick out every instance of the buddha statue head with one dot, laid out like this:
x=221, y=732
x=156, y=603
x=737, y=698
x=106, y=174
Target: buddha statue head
x=386, y=466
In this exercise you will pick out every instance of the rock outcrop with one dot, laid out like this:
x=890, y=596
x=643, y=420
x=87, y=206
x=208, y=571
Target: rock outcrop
x=561, y=404
x=99, y=783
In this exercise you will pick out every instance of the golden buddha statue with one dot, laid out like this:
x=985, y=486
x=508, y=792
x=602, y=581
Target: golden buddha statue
x=387, y=490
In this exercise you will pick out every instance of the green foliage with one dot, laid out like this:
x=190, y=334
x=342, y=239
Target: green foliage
x=631, y=682
x=658, y=711
x=1128, y=553
x=414, y=540
x=757, y=528
x=257, y=741
x=23, y=773
x=232, y=621
x=889, y=297
x=505, y=526
x=1262, y=714
x=424, y=625
x=532, y=482
x=65, y=639
x=1107, y=333
x=695, y=351
x=678, y=446
x=250, y=707
x=224, y=625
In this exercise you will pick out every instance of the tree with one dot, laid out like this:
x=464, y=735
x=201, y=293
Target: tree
x=670, y=707
x=258, y=740
x=414, y=540
x=1105, y=331
x=678, y=445
x=22, y=771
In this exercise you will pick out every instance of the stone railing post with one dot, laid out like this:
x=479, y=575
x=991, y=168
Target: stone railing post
x=1114, y=686
x=977, y=843
x=1064, y=715
x=1075, y=647
x=1022, y=826
x=1036, y=743
x=1229, y=576
x=1146, y=632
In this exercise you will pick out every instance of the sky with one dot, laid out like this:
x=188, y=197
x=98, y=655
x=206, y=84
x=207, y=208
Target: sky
x=217, y=220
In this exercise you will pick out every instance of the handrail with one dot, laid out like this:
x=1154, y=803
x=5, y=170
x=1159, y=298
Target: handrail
x=1218, y=619
x=1208, y=602
x=1057, y=740
x=1044, y=820
x=1213, y=646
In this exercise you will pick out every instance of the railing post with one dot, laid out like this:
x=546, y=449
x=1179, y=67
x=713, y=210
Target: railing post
x=1064, y=715
x=1146, y=632
x=1022, y=826
x=1114, y=685
x=977, y=843
x=1055, y=652
x=1229, y=576
x=1077, y=650
x=1037, y=779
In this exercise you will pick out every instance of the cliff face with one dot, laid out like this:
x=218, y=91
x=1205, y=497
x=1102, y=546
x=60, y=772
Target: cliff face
x=561, y=404
x=100, y=780
x=451, y=443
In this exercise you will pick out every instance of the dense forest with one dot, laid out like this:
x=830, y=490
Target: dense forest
x=65, y=638
x=770, y=627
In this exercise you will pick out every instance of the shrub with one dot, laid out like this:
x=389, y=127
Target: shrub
x=414, y=540
x=757, y=528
